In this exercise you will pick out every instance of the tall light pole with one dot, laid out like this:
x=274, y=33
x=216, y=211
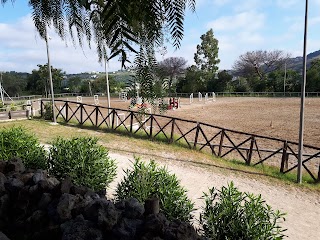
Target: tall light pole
x=303, y=90
x=107, y=81
x=50, y=79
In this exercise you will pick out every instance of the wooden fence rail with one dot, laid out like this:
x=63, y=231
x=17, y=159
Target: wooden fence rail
x=226, y=143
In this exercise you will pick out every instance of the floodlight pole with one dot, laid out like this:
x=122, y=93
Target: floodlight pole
x=107, y=81
x=50, y=78
x=303, y=89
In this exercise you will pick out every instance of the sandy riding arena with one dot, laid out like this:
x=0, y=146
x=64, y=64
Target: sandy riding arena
x=274, y=117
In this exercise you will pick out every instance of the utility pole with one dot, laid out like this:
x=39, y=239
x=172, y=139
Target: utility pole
x=50, y=79
x=284, y=79
x=303, y=90
x=107, y=81
x=1, y=90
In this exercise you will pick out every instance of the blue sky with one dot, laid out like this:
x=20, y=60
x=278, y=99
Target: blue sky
x=239, y=25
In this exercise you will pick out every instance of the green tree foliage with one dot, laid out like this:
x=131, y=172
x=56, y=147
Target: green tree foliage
x=220, y=82
x=194, y=81
x=313, y=77
x=99, y=85
x=86, y=162
x=232, y=214
x=14, y=83
x=38, y=81
x=206, y=56
x=148, y=180
x=17, y=142
x=74, y=84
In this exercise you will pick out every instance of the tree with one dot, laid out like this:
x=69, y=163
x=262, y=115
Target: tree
x=192, y=82
x=206, y=56
x=38, y=82
x=171, y=67
x=259, y=63
x=13, y=83
x=220, y=83
x=115, y=24
x=313, y=76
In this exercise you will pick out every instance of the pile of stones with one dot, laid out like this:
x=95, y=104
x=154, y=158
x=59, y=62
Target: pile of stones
x=34, y=205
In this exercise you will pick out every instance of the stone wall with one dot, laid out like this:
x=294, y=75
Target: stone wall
x=35, y=206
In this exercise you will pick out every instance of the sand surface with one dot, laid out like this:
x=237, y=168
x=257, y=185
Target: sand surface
x=302, y=208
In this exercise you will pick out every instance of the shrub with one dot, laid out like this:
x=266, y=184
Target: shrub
x=148, y=180
x=16, y=142
x=48, y=111
x=231, y=214
x=86, y=162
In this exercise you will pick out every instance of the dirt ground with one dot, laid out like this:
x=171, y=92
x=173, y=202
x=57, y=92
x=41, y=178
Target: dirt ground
x=302, y=208
x=274, y=117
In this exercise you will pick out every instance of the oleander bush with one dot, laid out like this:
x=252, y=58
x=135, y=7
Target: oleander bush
x=232, y=214
x=48, y=111
x=86, y=162
x=146, y=180
x=17, y=142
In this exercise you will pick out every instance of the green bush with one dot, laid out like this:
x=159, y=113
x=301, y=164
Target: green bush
x=231, y=214
x=86, y=162
x=48, y=111
x=149, y=180
x=16, y=142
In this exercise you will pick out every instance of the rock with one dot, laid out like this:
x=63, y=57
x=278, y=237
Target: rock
x=133, y=208
x=15, y=165
x=4, y=206
x=66, y=185
x=65, y=206
x=39, y=175
x=180, y=231
x=3, y=179
x=3, y=236
x=44, y=201
x=26, y=178
x=103, y=213
x=127, y=228
x=53, y=182
x=80, y=229
x=13, y=185
x=156, y=224
x=37, y=220
x=79, y=190
x=3, y=165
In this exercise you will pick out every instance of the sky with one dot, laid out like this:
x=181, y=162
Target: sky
x=239, y=26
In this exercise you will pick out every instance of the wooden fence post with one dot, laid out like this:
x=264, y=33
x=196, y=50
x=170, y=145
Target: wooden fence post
x=284, y=159
x=172, y=130
x=67, y=111
x=221, y=143
x=131, y=120
x=97, y=115
x=319, y=173
x=81, y=113
x=41, y=108
x=196, y=137
x=151, y=125
x=113, y=115
x=248, y=162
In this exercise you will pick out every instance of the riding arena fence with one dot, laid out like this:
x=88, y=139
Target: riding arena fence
x=221, y=142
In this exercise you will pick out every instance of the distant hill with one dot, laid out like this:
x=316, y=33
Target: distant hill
x=297, y=62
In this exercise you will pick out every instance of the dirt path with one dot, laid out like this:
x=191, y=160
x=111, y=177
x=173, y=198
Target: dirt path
x=302, y=208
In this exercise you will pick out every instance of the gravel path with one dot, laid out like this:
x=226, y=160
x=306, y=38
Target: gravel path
x=302, y=207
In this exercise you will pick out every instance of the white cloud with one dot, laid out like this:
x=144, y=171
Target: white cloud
x=221, y=2
x=245, y=20
x=247, y=5
x=287, y=3
x=22, y=49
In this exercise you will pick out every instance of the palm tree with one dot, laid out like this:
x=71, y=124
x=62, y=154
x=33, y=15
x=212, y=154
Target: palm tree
x=120, y=25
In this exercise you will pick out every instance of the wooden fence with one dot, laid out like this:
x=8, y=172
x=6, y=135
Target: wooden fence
x=221, y=142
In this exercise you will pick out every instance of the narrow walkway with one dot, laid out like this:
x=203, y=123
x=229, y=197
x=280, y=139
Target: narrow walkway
x=302, y=208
